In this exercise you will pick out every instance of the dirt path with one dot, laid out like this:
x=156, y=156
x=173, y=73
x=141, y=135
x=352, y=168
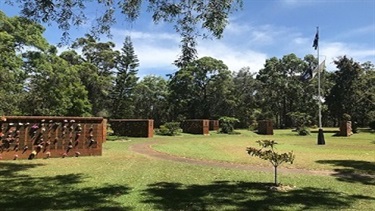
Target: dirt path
x=146, y=149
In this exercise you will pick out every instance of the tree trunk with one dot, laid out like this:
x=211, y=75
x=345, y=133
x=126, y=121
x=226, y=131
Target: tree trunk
x=275, y=175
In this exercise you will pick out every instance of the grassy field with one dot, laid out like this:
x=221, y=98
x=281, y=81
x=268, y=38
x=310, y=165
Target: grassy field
x=353, y=152
x=125, y=180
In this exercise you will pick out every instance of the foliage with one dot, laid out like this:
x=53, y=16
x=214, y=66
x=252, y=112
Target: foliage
x=54, y=87
x=200, y=90
x=16, y=36
x=346, y=117
x=122, y=93
x=227, y=124
x=343, y=96
x=365, y=90
x=253, y=126
x=94, y=78
x=169, y=129
x=96, y=70
x=372, y=125
x=186, y=17
x=300, y=119
x=303, y=131
x=281, y=92
x=270, y=155
x=150, y=99
x=245, y=87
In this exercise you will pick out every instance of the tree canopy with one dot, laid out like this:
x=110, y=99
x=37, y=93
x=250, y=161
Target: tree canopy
x=190, y=18
x=96, y=78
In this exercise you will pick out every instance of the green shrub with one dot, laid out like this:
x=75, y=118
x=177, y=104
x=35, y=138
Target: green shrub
x=227, y=124
x=303, y=131
x=169, y=129
x=300, y=120
x=253, y=126
x=346, y=117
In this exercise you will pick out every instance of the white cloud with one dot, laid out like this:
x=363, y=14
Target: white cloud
x=234, y=58
x=334, y=50
x=234, y=28
x=155, y=57
x=157, y=51
x=243, y=45
x=146, y=36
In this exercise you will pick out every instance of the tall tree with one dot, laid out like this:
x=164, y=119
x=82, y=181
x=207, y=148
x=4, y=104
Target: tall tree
x=365, y=106
x=186, y=16
x=352, y=92
x=150, y=99
x=122, y=94
x=16, y=35
x=199, y=89
x=342, y=96
x=244, y=93
x=96, y=71
x=54, y=87
x=281, y=90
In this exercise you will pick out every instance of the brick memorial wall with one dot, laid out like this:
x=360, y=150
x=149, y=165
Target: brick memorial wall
x=345, y=128
x=265, y=127
x=133, y=127
x=29, y=137
x=196, y=126
x=214, y=125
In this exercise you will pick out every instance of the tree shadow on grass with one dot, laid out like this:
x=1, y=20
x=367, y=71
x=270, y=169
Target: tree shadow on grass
x=243, y=196
x=8, y=169
x=355, y=171
x=61, y=192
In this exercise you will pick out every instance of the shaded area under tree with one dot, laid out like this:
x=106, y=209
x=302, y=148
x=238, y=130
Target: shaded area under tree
x=243, y=196
x=24, y=192
x=354, y=171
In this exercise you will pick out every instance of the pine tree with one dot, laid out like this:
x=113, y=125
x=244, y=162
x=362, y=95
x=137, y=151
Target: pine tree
x=123, y=91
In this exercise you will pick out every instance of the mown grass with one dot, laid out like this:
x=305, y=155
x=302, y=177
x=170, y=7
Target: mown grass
x=123, y=180
x=358, y=148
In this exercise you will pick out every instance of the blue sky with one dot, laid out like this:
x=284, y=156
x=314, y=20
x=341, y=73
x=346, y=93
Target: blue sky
x=261, y=30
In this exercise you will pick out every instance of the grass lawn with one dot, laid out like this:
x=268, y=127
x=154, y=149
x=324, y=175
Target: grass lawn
x=356, y=152
x=125, y=180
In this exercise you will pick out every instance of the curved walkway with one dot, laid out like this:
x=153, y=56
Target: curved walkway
x=146, y=149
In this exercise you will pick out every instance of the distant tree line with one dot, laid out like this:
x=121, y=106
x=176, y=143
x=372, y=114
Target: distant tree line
x=94, y=79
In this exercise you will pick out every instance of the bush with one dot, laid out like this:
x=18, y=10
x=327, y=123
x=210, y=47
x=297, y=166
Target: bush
x=169, y=129
x=303, y=131
x=253, y=126
x=372, y=125
x=227, y=125
x=346, y=117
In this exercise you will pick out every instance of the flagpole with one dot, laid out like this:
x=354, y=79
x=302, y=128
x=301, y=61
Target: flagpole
x=321, y=140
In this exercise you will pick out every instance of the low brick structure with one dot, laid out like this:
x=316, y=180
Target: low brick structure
x=196, y=126
x=265, y=127
x=29, y=137
x=214, y=125
x=345, y=128
x=133, y=127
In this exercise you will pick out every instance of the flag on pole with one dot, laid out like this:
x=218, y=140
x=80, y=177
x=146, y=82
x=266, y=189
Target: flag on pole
x=316, y=41
x=307, y=75
x=319, y=68
x=310, y=73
